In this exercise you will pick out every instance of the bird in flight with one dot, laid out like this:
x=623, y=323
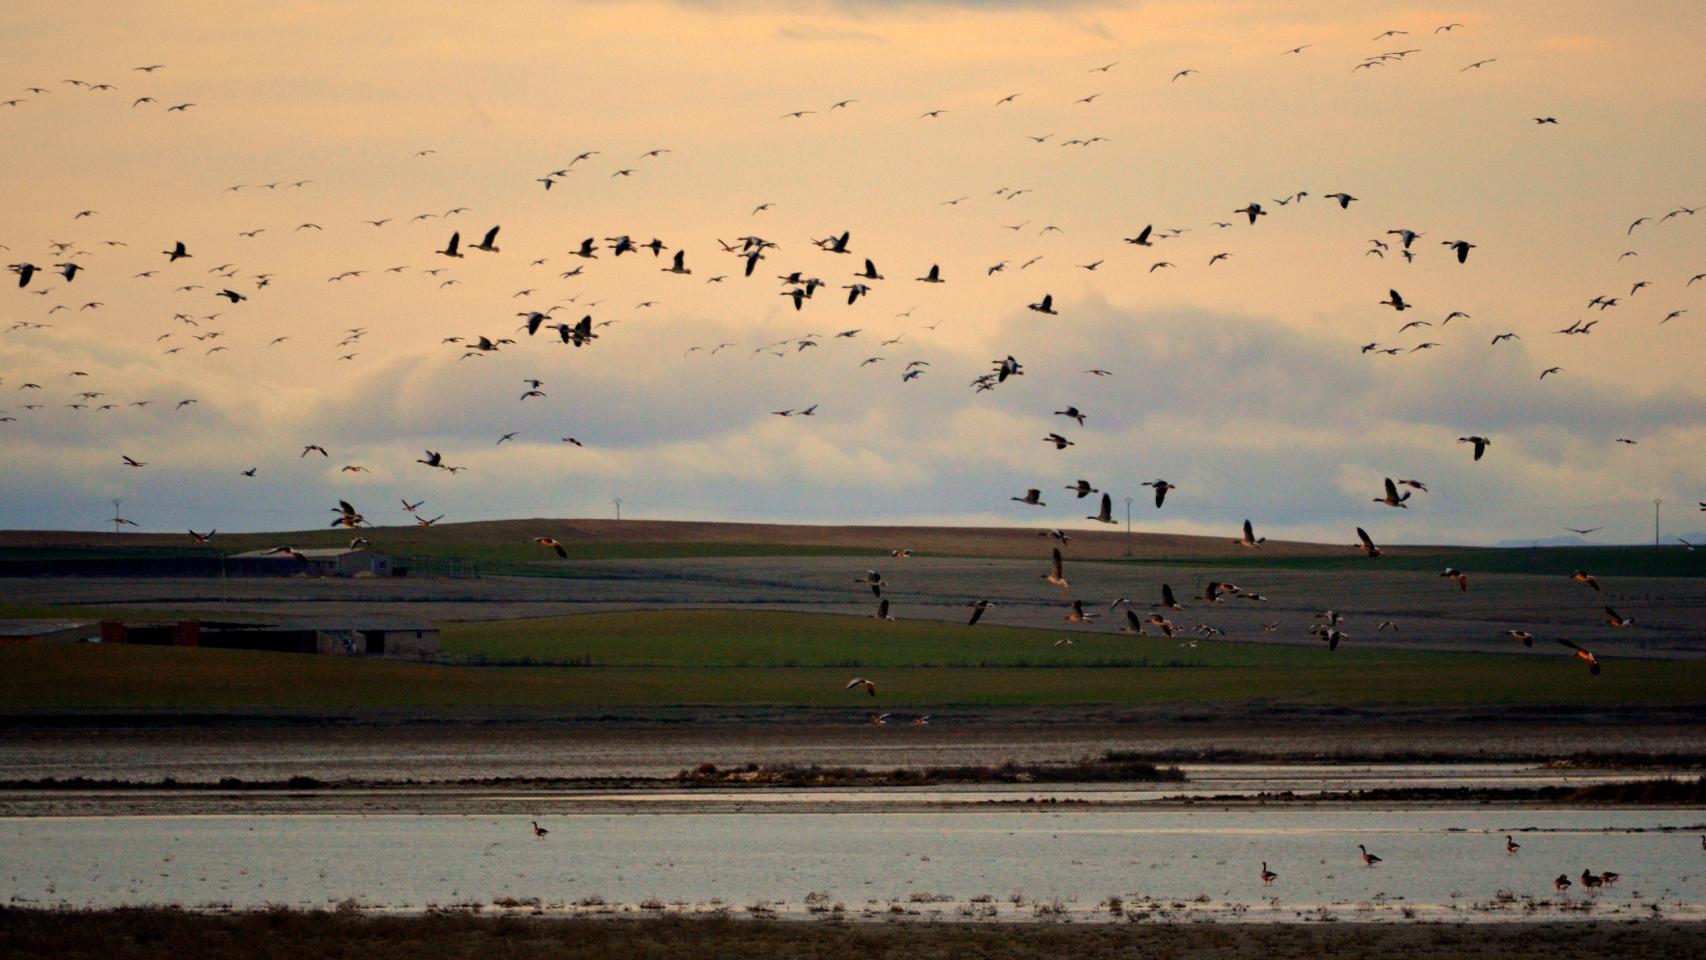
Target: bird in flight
x=1368, y=546
x=1161, y=488
x=1250, y=539
x=1481, y=444
x=1106, y=514
x=1583, y=654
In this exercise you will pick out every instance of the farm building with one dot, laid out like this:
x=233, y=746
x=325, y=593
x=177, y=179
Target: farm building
x=327, y=562
x=376, y=638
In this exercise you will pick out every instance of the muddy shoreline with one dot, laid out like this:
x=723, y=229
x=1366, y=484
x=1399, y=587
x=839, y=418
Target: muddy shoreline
x=146, y=934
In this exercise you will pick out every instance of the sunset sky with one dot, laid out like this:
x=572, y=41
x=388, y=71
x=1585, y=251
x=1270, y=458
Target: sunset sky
x=1241, y=382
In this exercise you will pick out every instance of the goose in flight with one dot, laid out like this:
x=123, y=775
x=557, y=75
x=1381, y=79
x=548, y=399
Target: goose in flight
x=1481, y=444
x=1076, y=615
x=1250, y=539
x=1452, y=573
x=1583, y=533
x=450, y=249
x=977, y=608
x=422, y=521
x=1161, y=488
x=552, y=543
x=1587, y=578
x=1106, y=515
x=1405, y=234
x=486, y=243
x=348, y=516
x=1215, y=589
x=1523, y=636
x=1345, y=199
x=1133, y=624
x=874, y=580
x=176, y=253
x=1504, y=336
x=934, y=276
x=1396, y=302
x=1253, y=211
x=433, y=459
x=1045, y=305
x=1393, y=498
x=835, y=244
x=1083, y=489
x=679, y=265
x=411, y=507
x=313, y=448
x=870, y=686
x=1583, y=655
x=882, y=610
x=1056, y=575
x=1142, y=239
x=1617, y=620
x=1479, y=64
x=1460, y=247
x=1183, y=73
x=1060, y=442
x=1033, y=496
x=1368, y=546
x=1550, y=370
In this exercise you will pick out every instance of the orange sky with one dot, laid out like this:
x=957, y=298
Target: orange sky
x=1241, y=382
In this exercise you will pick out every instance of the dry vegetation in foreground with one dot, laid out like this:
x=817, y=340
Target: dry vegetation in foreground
x=163, y=934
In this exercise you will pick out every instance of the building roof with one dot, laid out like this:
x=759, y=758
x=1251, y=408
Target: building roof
x=312, y=553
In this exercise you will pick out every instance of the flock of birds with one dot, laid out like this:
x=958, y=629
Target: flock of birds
x=800, y=281
x=198, y=329
x=1327, y=631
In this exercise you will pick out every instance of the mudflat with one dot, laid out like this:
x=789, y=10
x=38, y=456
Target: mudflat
x=147, y=934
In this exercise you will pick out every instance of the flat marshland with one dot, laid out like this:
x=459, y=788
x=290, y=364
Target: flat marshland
x=672, y=702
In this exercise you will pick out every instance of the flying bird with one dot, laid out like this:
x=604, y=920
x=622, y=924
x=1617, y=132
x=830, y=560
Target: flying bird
x=1368, y=547
x=1581, y=653
x=1393, y=498
x=1250, y=539
x=1161, y=488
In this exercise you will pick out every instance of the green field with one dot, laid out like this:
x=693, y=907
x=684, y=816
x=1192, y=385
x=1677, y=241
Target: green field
x=776, y=659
